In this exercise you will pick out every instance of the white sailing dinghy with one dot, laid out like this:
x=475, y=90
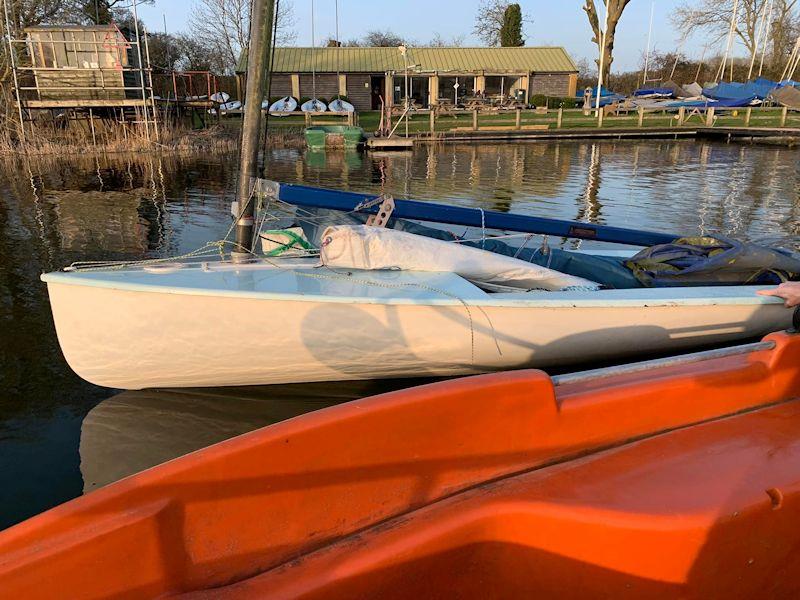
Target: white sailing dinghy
x=283, y=107
x=220, y=97
x=339, y=105
x=313, y=105
x=382, y=305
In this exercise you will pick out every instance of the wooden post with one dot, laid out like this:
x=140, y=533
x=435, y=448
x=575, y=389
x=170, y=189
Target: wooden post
x=748, y=113
x=710, y=116
x=560, y=117
x=475, y=120
x=257, y=84
x=681, y=115
x=600, y=114
x=784, y=114
x=91, y=125
x=433, y=121
x=641, y=117
x=518, y=121
x=307, y=116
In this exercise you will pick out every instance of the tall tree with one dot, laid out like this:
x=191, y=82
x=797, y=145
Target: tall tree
x=605, y=43
x=714, y=18
x=491, y=18
x=511, y=30
x=224, y=27
x=101, y=12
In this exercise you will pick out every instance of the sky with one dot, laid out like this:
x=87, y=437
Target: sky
x=561, y=23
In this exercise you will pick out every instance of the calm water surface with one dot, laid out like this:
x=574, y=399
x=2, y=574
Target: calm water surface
x=60, y=435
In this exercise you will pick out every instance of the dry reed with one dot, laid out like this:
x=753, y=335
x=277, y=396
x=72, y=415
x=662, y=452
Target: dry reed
x=48, y=136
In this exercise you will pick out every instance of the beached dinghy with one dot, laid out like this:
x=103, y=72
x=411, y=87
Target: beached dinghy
x=313, y=105
x=389, y=313
x=220, y=97
x=283, y=107
x=339, y=105
x=677, y=479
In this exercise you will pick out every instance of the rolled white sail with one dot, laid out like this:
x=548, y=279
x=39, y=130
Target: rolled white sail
x=376, y=248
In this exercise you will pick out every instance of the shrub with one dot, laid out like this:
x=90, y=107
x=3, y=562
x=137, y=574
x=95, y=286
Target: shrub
x=539, y=100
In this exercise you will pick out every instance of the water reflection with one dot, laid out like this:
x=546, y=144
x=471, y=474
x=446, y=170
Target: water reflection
x=133, y=431
x=54, y=212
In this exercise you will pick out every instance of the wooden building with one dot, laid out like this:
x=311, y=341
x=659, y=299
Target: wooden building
x=81, y=66
x=433, y=75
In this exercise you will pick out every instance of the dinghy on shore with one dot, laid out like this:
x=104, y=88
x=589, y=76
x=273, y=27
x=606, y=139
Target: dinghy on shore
x=675, y=478
x=283, y=107
x=339, y=105
x=371, y=316
x=313, y=105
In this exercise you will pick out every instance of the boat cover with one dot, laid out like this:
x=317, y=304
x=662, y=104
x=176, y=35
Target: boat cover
x=678, y=91
x=379, y=248
x=713, y=261
x=786, y=96
x=758, y=89
x=693, y=89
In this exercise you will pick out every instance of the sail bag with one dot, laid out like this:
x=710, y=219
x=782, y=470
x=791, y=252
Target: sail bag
x=373, y=248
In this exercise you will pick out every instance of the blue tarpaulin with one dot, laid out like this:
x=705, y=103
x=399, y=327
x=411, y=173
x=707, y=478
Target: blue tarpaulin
x=606, y=96
x=734, y=90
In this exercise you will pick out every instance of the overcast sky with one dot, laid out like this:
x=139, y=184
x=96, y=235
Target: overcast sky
x=561, y=23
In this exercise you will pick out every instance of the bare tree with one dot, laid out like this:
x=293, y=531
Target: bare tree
x=386, y=38
x=224, y=27
x=714, y=17
x=605, y=43
x=440, y=42
x=490, y=18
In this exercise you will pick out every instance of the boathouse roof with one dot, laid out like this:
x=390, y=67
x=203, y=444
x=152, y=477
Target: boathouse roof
x=545, y=59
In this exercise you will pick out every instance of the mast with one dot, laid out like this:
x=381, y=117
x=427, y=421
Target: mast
x=762, y=24
x=261, y=20
x=729, y=43
x=602, y=57
x=649, y=38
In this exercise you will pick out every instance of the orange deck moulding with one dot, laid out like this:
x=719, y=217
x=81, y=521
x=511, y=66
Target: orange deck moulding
x=679, y=481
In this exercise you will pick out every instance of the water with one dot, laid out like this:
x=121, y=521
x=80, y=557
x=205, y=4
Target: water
x=60, y=435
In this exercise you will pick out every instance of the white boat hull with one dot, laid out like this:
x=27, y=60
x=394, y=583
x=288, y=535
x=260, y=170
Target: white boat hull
x=325, y=328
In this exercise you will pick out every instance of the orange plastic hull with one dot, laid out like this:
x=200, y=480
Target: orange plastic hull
x=679, y=481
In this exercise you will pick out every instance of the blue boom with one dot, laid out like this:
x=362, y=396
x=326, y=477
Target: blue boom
x=301, y=195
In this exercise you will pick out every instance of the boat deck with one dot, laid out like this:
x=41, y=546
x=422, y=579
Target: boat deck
x=303, y=280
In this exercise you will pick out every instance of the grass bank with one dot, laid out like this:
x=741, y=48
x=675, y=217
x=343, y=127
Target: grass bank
x=419, y=123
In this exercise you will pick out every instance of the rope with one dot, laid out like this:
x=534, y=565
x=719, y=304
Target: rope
x=313, y=58
x=269, y=83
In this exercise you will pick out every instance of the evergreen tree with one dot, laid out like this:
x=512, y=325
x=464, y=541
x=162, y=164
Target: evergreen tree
x=98, y=11
x=511, y=31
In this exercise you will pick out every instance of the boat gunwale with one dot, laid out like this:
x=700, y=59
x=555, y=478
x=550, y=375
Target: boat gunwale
x=642, y=297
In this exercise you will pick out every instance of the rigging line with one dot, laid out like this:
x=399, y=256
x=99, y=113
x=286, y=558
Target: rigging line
x=759, y=34
x=338, y=52
x=269, y=84
x=678, y=54
x=766, y=36
x=313, y=59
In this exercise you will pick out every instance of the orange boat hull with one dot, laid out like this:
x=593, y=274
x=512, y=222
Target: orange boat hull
x=680, y=481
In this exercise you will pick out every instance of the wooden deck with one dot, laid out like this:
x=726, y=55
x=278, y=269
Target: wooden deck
x=390, y=143
x=116, y=103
